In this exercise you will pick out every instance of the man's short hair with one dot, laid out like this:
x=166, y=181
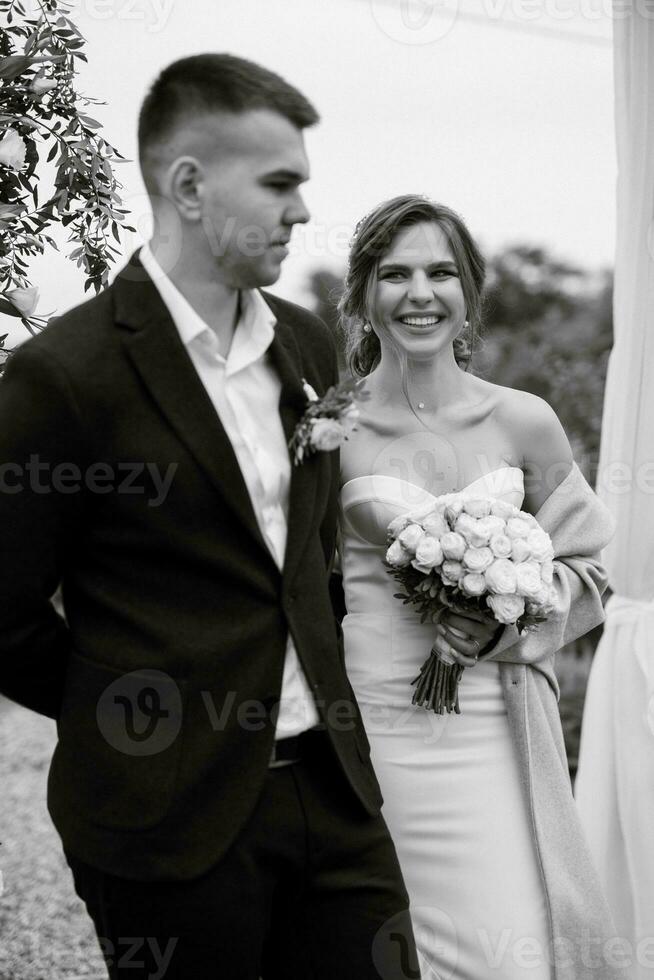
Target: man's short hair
x=215, y=83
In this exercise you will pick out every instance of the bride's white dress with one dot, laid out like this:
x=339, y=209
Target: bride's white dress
x=453, y=800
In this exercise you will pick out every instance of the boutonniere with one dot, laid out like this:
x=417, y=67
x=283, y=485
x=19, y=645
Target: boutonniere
x=328, y=421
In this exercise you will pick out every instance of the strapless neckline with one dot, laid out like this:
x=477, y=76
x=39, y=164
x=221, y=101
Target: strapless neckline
x=381, y=480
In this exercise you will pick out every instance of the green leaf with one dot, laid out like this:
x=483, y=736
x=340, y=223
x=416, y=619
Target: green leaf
x=9, y=308
x=11, y=210
x=14, y=65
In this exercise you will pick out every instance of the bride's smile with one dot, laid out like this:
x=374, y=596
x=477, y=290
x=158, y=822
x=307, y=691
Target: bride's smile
x=419, y=301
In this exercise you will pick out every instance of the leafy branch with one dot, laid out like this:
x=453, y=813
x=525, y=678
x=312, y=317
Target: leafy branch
x=44, y=119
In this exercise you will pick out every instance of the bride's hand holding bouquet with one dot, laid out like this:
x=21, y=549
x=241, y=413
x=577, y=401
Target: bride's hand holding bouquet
x=477, y=563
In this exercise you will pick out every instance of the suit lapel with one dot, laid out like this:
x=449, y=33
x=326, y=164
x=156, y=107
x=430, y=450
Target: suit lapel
x=287, y=360
x=158, y=354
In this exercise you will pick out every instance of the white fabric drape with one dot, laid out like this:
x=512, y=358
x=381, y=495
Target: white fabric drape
x=615, y=784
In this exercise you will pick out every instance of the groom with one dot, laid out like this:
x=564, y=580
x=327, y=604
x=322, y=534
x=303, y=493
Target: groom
x=211, y=783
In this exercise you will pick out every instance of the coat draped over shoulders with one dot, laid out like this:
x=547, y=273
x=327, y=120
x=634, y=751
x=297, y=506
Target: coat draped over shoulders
x=581, y=926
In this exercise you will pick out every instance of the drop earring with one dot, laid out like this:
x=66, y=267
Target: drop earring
x=367, y=328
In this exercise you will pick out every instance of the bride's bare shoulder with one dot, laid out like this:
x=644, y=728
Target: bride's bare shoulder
x=538, y=439
x=527, y=415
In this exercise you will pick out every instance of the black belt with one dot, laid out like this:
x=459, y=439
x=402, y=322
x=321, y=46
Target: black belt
x=287, y=751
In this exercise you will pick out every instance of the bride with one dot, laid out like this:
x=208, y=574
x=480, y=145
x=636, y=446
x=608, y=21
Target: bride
x=479, y=804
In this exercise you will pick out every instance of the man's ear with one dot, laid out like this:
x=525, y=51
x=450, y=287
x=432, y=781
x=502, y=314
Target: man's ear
x=184, y=184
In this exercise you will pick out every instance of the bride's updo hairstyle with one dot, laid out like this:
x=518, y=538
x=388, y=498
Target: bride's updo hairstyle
x=373, y=237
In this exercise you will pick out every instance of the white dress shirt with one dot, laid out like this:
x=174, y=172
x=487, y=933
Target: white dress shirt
x=245, y=389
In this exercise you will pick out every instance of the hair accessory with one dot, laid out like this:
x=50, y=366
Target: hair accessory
x=466, y=324
x=367, y=328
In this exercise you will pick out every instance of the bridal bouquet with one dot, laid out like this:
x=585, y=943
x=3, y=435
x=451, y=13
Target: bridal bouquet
x=469, y=554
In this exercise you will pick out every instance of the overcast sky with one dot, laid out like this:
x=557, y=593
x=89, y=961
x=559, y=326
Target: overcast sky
x=502, y=109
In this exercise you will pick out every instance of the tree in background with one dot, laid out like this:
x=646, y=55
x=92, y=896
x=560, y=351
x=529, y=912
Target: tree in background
x=326, y=288
x=549, y=330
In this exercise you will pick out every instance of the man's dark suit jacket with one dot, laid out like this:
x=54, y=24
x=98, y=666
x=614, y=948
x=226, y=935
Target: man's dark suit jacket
x=176, y=614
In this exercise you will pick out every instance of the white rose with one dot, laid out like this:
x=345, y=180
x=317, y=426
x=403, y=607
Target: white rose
x=529, y=582
x=506, y=608
x=478, y=559
x=473, y=584
x=326, y=434
x=452, y=511
x=500, y=545
x=429, y=554
x=453, y=545
x=41, y=85
x=545, y=597
x=520, y=551
x=501, y=577
x=500, y=508
x=540, y=544
x=24, y=298
x=411, y=537
x=543, y=604
x=398, y=524
x=435, y=524
x=547, y=571
x=451, y=572
x=516, y=528
x=495, y=525
x=12, y=150
x=485, y=529
x=465, y=525
x=528, y=518
x=477, y=507
x=397, y=556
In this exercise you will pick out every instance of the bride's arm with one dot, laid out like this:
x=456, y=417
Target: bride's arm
x=541, y=444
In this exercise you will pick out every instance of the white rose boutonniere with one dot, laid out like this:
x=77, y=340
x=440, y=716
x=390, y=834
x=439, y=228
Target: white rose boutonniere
x=328, y=421
x=326, y=435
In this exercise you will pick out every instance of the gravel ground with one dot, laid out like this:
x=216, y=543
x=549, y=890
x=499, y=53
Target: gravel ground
x=45, y=932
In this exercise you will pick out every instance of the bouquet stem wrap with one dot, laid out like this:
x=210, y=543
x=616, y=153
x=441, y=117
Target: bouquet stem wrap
x=438, y=685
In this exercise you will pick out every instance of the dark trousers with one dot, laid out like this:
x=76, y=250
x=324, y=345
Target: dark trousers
x=311, y=890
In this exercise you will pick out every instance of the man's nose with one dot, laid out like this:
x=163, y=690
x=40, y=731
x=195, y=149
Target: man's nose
x=297, y=213
x=420, y=289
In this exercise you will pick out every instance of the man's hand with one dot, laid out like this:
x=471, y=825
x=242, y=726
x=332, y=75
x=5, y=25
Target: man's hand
x=465, y=637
